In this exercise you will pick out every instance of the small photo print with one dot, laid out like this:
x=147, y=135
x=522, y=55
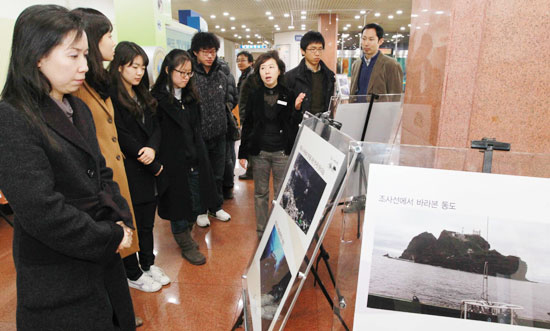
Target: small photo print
x=302, y=193
x=274, y=278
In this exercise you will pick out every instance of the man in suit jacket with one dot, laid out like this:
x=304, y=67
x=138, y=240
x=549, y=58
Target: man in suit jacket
x=375, y=72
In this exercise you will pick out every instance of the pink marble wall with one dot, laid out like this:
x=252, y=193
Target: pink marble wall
x=478, y=68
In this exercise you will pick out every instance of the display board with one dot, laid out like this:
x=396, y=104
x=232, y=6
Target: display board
x=384, y=119
x=314, y=169
x=453, y=250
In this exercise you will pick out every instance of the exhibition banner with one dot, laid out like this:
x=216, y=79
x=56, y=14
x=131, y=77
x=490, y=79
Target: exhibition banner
x=312, y=173
x=453, y=250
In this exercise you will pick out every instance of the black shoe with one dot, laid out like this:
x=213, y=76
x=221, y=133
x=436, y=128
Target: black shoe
x=228, y=194
x=245, y=177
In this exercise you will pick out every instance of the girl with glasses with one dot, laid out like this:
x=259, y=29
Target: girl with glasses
x=187, y=187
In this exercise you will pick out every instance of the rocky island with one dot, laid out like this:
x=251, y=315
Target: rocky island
x=465, y=252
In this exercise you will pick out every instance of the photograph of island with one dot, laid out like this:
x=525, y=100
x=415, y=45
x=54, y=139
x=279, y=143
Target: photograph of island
x=302, y=193
x=274, y=278
x=462, y=266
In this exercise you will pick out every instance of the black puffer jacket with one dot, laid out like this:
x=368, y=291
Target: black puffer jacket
x=217, y=91
x=299, y=80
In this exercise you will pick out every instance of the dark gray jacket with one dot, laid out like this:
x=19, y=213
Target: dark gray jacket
x=65, y=237
x=217, y=93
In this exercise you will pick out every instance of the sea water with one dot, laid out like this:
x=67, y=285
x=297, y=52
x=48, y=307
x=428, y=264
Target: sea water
x=446, y=287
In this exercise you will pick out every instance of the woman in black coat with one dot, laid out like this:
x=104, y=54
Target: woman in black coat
x=187, y=186
x=70, y=219
x=269, y=130
x=139, y=139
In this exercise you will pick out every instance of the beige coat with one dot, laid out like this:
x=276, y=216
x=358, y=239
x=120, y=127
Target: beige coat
x=386, y=76
x=107, y=137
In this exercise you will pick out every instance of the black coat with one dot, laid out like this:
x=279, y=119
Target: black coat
x=299, y=79
x=182, y=148
x=133, y=134
x=253, y=127
x=65, y=237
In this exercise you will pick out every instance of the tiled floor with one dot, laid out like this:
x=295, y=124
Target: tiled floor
x=203, y=297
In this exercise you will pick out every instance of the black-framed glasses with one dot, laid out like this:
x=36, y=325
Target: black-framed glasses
x=315, y=50
x=184, y=74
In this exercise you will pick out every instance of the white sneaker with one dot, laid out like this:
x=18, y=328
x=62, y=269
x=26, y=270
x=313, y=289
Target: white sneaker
x=203, y=221
x=222, y=215
x=145, y=283
x=158, y=275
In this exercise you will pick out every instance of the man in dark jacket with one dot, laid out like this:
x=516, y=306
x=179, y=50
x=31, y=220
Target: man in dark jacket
x=245, y=60
x=215, y=97
x=312, y=76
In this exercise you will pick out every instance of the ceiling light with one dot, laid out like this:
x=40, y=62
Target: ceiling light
x=286, y=14
x=303, y=25
x=232, y=18
x=212, y=16
x=240, y=37
x=225, y=13
x=291, y=27
x=223, y=30
x=377, y=14
x=247, y=29
x=387, y=34
x=303, y=12
x=345, y=28
x=357, y=17
x=402, y=28
x=363, y=12
x=259, y=37
x=439, y=12
x=278, y=29
x=232, y=28
x=414, y=15
x=235, y=35
x=348, y=25
x=399, y=12
x=271, y=17
x=267, y=13
x=345, y=35
x=390, y=17
x=217, y=26
x=359, y=26
x=276, y=26
x=247, y=36
x=424, y=10
x=303, y=17
x=418, y=28
x=409, y=25
x=243, y=26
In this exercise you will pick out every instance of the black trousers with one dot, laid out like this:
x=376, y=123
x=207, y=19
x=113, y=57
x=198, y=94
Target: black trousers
x=145, y=219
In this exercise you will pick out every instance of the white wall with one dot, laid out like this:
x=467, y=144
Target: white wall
x=294, y=55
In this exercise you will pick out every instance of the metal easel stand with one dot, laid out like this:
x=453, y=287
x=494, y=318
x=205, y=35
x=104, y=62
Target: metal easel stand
x=488, y=145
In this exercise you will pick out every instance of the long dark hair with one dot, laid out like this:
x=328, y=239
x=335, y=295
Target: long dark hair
x=174, y=59
x=96, y=26
x=37, y=30
x=263, y=58
x=125, y=53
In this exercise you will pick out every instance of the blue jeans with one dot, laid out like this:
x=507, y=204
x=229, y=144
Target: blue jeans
x=216, y=155
x=179, y=226
x=263, y=165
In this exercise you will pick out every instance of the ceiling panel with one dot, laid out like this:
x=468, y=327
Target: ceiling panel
x=252, y=14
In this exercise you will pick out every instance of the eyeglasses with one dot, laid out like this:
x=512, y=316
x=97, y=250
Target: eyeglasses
x=315, y=50
x=242, y=61
x=211, y=52
x=184, y=74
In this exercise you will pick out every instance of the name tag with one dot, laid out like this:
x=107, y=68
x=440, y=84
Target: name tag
x=281, y=102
